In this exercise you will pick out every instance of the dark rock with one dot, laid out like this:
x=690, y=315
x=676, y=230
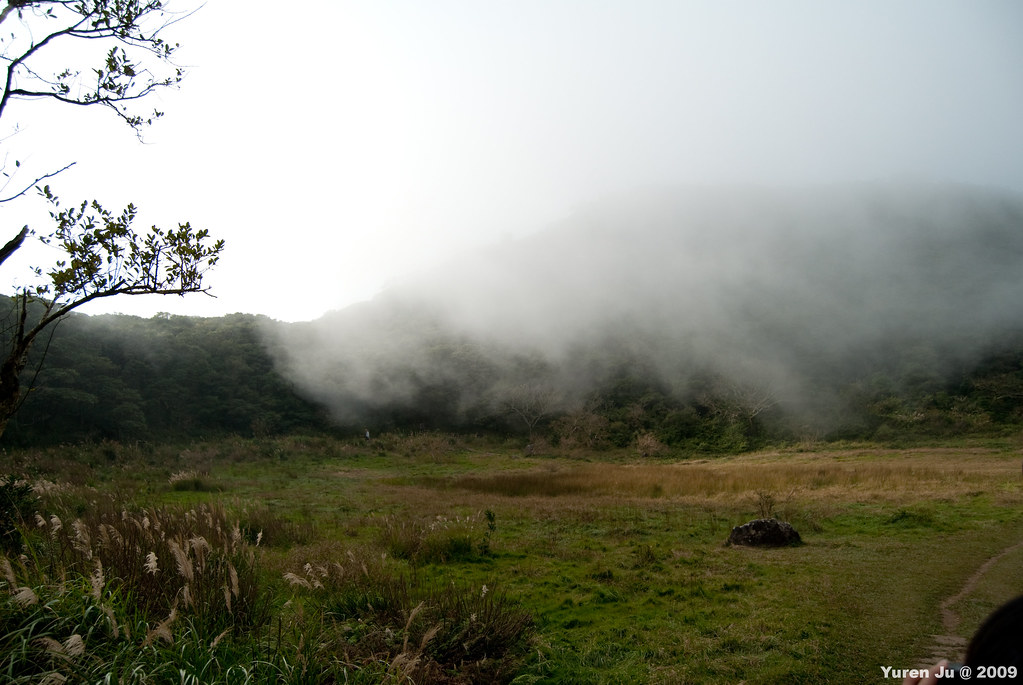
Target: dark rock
x=764, y=533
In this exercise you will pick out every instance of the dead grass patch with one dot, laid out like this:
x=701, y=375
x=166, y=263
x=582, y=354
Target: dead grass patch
x=867, y=475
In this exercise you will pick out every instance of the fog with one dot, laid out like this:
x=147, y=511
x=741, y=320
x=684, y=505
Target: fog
x=785, y=291
x=385, y=137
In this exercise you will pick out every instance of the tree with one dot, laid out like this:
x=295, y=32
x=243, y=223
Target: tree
x=531, y=403
x=102, y=254
x=738, y=401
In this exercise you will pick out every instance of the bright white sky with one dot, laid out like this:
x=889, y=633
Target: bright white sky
x=340, y=145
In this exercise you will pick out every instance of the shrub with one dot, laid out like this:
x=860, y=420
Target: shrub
x=438, y=540
x=375, y=614
x=765, y=504
x=648, y=445
x=191, y=481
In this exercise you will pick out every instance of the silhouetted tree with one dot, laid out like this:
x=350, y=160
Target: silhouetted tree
x=102, y=255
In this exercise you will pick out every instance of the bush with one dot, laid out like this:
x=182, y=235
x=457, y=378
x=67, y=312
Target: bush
x=190, y=481
x=439, y=540
x=648, y=445
x=378, y=618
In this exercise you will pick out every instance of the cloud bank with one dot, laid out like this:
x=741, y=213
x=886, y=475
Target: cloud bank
x=795, y=291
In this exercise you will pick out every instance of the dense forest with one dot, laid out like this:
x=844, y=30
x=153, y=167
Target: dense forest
x=165, y=378
x=179, y=378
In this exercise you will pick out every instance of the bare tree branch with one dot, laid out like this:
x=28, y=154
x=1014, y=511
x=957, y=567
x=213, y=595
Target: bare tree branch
x=11, y=6
x=36, y=182
x=118, y=80
x=12, y=245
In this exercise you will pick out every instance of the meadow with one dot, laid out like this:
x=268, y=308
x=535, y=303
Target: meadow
x=433, y=558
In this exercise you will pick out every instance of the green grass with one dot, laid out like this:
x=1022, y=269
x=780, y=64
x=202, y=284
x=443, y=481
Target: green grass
x=608, y=567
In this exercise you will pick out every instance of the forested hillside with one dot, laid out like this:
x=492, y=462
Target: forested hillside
x=179, y=378
x=711, y=321
x=168, y=377
x=712, y=318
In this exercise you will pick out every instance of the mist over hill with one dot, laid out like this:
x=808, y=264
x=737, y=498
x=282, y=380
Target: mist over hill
x=787, y=300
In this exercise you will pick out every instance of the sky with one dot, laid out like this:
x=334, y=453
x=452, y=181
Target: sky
x=341, y=147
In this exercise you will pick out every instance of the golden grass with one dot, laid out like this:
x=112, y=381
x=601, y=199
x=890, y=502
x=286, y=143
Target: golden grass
x=856, y=475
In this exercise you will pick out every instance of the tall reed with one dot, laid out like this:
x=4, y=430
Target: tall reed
x=194, y=561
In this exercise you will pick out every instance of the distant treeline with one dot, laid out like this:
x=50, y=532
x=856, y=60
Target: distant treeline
x=906, y=394
x=177, y=378
x=909, y=389
x=168, y=377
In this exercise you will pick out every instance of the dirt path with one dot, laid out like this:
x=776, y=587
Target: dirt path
x=949, y=645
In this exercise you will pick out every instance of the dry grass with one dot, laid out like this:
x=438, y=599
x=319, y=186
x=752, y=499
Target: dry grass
x=436, y=540
x=194, y=560
x=375, y=612
x=860, y=475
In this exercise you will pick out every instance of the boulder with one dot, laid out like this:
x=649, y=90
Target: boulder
x=764, y=533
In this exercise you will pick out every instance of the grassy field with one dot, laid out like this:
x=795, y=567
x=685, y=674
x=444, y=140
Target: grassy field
x=445, y=559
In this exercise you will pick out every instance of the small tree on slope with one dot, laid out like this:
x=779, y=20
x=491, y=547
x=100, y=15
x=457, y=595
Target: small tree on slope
x=102, y=255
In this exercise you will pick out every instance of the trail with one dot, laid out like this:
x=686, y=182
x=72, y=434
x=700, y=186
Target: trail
x=949, y=645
